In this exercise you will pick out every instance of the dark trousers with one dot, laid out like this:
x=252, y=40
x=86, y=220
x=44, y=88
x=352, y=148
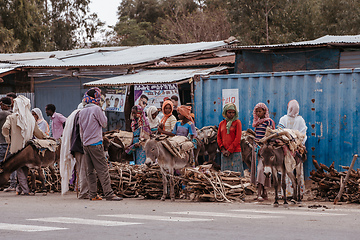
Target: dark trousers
x=95, y=160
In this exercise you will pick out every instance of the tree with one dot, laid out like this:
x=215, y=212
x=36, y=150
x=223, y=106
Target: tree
x=25, y=19
x=131, y=33
x=8, y=43
x=44, y=25
x=195, y=27
x=71, y=23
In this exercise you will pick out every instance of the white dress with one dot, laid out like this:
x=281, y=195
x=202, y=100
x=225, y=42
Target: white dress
x=296, y=123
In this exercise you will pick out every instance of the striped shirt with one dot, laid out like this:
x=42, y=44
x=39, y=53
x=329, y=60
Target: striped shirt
x=261, y=129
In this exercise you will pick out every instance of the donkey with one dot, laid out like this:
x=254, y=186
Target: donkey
x=115, y=150
x=30, y=157
x=155, y=150
x=208, y=142
x=274, y=161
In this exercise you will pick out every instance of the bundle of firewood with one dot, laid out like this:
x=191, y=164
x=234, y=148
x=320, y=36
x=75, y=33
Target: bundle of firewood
x=205, y=184
x=329, y=182
x=52, y=181
x=202, y=183
x=124, y=178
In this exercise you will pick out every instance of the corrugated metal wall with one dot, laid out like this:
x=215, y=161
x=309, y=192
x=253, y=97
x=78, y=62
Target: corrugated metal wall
x=329, y=102
x=350, y=59
x=251, y=61
x=66, y=93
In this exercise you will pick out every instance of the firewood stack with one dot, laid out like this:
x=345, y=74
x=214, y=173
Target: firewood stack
x=197, y=184
x=52, y=183
x=124, y=178
x=329, y=181
x=205, y=184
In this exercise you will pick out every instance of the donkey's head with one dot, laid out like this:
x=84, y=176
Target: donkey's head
x=4, y=175
x=268, y=157
x=152, y=151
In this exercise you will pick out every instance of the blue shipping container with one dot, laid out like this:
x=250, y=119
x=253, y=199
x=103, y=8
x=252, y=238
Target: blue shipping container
x=329, y=102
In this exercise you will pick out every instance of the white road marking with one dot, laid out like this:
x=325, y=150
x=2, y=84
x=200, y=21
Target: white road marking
x=27, y=228
x=216, y=214
x=83, y=221
x=159, y=218
x=289, y=212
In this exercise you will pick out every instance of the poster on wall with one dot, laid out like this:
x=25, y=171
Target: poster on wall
x=154, y=94
x=230, y=96
x=114, y=99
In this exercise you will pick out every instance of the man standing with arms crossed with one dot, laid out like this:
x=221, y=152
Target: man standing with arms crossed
x=91, y=120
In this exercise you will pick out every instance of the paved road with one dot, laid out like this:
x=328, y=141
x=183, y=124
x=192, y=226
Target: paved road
x=64, y=217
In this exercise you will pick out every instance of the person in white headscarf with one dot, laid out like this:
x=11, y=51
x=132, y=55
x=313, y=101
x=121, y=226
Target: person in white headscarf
x=292, y=120
x=154, y=120
x=21, y=126
x=41, y=122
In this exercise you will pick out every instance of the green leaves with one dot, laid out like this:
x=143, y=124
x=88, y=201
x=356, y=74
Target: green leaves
x=45, y=25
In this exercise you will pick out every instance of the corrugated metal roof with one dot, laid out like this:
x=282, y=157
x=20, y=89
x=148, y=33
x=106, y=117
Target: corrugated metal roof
x=128, y=56
x=2, y=70
x=11, y=57
x=154, y=76
x=200, y=62
x=325, y=40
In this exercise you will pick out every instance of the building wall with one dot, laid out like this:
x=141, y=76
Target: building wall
x=329, y=102
x=249, y=61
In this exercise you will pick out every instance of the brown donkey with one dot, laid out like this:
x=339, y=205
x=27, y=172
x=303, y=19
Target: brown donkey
x=32, y=157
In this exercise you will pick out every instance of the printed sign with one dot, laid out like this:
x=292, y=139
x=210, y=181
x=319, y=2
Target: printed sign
x=230, y=96
x=154, y=94
x=114, y=99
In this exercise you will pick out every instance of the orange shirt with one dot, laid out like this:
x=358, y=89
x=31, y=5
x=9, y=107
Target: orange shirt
x=230, y=142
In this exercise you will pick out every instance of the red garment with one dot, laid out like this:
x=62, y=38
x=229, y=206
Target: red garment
x=230, y=142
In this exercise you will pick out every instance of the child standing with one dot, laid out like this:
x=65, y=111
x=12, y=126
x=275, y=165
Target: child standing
x=228, y=138
x=261, y=121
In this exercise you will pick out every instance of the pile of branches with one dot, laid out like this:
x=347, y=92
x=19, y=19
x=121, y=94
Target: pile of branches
x=52, y=181
x=198, y=184
x=202, y=183
x=124, y=178
x=329, y=182
x=205, y=184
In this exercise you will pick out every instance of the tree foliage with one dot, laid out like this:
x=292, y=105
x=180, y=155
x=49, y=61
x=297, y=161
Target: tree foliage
x=44, y=25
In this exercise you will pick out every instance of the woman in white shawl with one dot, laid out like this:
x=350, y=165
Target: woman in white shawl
x=43, y=125
x=292, y=120
x=154, y=120
x=22, y=127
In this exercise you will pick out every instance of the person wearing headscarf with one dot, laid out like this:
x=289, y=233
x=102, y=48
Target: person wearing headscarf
x=168, y=121
x=154, y=120
x=21, y=126
x=186, y=126
x=261, y=121
x=292, y=120
x=91, y=121
x=228, y=138
x=141, y=129
x=43, y=125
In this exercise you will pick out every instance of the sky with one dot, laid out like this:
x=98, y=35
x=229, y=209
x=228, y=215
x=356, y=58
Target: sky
x=106, y=10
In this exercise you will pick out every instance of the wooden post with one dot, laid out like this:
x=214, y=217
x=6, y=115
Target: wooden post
x=346, y=179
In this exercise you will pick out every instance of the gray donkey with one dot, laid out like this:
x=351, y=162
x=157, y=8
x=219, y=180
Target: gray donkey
x=155, y=150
